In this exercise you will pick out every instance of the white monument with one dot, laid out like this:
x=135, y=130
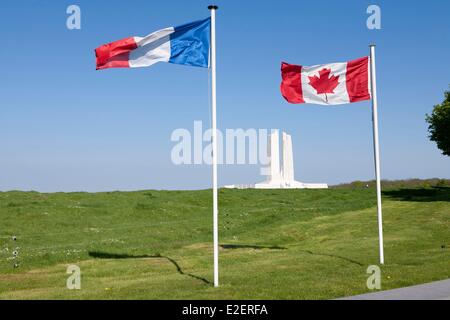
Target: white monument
x=275, y=178
x=281, y=178
x=288, y=165
x=284, y=178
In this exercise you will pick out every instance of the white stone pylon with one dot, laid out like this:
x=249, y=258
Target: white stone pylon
x=288, y=164
x=274, y=179
x=284, y=177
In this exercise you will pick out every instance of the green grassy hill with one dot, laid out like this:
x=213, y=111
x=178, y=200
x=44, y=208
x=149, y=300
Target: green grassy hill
x=285, y=244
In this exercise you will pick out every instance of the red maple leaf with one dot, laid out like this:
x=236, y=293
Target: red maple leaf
x=325, y=83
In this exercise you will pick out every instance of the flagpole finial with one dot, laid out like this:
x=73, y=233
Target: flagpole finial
x=213, y=7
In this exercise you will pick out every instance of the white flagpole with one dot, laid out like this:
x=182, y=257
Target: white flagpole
x=373, y=81
x=213, y=9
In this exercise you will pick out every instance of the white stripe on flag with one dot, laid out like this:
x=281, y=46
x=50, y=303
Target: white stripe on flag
x=152, y=49
x=340, y=95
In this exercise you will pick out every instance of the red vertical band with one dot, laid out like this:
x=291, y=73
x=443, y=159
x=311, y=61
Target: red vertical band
x=291, y=86
x=115, y=54
x=358, y=79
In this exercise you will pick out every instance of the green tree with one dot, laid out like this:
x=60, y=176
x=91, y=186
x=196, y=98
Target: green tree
x=439, y=125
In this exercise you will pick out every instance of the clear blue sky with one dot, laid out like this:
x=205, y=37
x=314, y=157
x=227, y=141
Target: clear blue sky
x=65, y=126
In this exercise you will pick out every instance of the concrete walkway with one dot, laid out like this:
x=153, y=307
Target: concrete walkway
x=432, y=291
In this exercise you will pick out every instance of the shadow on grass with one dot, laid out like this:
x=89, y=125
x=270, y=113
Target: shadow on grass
x=105, y=255
x=334, y=256
x=420, y=195
x=248, y=246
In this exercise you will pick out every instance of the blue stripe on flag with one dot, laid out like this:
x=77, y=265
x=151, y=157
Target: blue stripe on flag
x=189, y=44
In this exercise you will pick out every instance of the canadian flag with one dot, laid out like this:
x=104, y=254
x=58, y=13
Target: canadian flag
x=327, y=84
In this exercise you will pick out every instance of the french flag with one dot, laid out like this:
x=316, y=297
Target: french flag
x=327, y=84
x=187, y=45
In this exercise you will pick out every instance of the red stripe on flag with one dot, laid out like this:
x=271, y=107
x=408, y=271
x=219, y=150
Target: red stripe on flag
x=291, y=86
x=115, y=54
x=358, y=79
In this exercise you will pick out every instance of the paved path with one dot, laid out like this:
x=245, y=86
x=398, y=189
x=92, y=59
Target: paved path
x=432, y=291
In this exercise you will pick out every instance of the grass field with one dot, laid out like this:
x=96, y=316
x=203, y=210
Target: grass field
x=285, y=244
